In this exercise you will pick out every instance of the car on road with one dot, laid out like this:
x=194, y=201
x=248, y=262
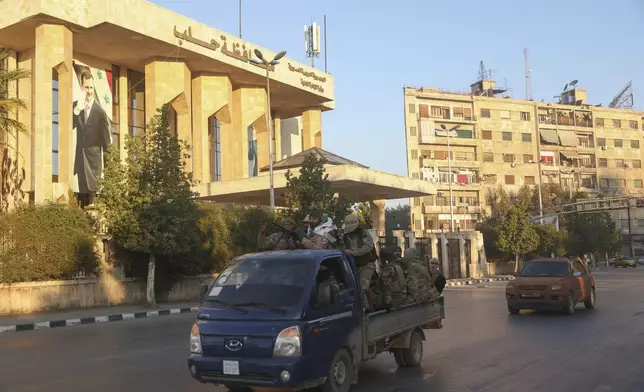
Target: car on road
x=551, y=284
x=625, y=262
x=278, y=320
x=640, y=260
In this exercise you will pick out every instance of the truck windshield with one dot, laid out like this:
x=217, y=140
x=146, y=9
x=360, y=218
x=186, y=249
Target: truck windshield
x=545, y=269
x=271, y=283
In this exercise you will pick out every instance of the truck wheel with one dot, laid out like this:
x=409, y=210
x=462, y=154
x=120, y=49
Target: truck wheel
x=570, y=305
x=400, y=359
x=341, y=373
x=413, y=355
x=590, y=301
x=513, y=310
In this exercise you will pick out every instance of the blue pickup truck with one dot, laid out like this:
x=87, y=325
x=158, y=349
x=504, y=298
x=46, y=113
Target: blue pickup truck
x=273, y=320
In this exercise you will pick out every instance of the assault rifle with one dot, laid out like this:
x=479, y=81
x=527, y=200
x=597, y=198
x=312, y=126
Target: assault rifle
x=292, y=234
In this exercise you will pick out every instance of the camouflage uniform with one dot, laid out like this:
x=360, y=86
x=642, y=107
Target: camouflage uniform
x=392, y=278
x=420, y=285
x=316, y=241
x=278, y=241
x=313, y=240
x=360, y=245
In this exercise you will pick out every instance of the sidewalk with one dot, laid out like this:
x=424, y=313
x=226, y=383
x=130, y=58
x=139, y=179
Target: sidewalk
x=471, y=281
x=67, y=318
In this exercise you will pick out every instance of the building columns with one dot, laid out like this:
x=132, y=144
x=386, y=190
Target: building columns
x=170, y=82
x=211, y=96
x=249, y=106
x=53, y=50
x=312, y=128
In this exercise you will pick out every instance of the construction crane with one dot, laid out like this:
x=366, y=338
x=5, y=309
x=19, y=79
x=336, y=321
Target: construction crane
x=624, y=99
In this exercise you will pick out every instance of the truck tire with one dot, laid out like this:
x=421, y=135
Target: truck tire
x=398, y=356
x=569, y=308
x=590, y=301
x=413, y=356
x=341, y=373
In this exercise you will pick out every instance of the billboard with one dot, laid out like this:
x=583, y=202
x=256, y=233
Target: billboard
x=91, y=125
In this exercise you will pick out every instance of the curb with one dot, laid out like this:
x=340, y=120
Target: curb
x=93, y=320
x=478, y=281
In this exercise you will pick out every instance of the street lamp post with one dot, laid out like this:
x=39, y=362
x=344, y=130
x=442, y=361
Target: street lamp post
x=449, y=170
x=269, y=127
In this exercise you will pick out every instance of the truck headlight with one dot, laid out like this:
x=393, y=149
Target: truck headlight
x=288, y=343
x=556, y=287
x=195, y=340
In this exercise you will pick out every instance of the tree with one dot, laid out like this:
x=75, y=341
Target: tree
x=363, y=211
x=551, y=241
x=11, y=175
x=147, y=202
x=517, y=234
x=311, y=193
x=590, y=233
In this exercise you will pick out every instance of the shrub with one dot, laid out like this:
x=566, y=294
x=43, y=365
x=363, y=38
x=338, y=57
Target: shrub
x=45, y=242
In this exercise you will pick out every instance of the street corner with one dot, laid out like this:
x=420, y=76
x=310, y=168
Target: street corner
x=475, y=281
x=89, y=320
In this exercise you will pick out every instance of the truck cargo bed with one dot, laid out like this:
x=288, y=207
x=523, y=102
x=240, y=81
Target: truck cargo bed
x=383, y=324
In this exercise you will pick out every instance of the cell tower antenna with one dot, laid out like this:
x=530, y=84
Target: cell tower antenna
x=624, y=99
x=483, y=75
x=528, y=76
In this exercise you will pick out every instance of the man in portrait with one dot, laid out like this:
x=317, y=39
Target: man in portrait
x=92, y=136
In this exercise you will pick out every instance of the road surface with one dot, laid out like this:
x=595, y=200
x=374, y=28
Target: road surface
x=481, y=348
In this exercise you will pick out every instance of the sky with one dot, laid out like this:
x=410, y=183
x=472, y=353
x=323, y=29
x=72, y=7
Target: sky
x=375, y=48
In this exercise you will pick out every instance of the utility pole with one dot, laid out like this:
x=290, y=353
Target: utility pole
x=240, y=18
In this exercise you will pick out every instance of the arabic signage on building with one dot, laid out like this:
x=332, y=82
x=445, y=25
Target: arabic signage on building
x=240, y=52
x=237, y=51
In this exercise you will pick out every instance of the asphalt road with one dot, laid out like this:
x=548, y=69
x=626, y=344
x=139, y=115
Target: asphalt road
x=481, y=348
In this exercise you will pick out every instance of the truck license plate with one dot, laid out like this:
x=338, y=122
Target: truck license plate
x=231, y=368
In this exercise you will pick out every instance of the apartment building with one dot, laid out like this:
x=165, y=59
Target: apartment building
x=511, y=142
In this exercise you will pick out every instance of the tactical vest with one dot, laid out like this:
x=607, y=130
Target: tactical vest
x=393, y=279
x=364, y=259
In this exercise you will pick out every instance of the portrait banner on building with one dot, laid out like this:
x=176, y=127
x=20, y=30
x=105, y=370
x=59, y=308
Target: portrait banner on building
x=92, y=125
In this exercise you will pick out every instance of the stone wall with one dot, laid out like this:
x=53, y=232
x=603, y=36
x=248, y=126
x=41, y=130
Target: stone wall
x=33, y=297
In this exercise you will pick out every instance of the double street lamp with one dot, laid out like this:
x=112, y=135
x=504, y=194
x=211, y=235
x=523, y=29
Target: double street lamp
x=449, y=170
x=266, y=64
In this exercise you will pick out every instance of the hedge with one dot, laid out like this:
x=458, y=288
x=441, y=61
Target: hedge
x=46, y=242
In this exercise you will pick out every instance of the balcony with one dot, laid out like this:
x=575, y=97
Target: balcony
x=459, y=209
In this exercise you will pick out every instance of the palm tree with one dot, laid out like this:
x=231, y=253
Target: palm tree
x=11, y=175
x=9, y=105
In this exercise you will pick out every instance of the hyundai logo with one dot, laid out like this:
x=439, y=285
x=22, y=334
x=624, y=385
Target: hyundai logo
x=234, y=345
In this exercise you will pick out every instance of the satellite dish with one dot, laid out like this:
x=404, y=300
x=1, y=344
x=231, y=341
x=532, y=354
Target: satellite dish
x=573, y=83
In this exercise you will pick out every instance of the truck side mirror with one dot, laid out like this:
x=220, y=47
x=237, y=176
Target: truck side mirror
x=323, y=295
x=203, y=291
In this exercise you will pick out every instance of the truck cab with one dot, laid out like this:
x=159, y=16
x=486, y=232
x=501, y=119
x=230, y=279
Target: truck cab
x=285, y=320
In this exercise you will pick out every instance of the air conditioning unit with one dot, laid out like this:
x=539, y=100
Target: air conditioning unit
x=604, y=148
x=513, y=165
x=627, y=165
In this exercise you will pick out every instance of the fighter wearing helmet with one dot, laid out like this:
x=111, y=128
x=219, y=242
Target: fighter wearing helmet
x=282, y=240
x=359, y=244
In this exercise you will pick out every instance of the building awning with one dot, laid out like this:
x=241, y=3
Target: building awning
x=571, y=156
x=327, y=158
x=568, y=138
x=355, y=182
x=549, y=136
